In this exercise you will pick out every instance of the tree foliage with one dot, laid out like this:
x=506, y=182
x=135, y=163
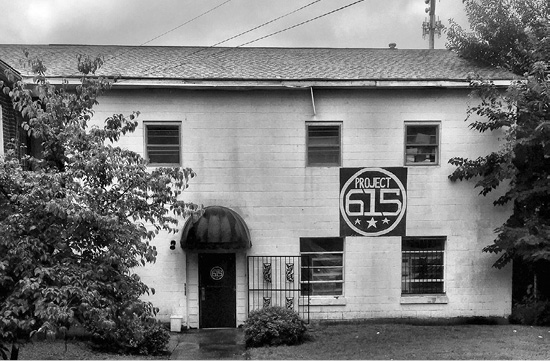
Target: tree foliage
x=73, y=228
x=514, y=35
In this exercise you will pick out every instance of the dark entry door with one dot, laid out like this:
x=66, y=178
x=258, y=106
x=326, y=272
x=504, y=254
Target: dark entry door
x=217, y=290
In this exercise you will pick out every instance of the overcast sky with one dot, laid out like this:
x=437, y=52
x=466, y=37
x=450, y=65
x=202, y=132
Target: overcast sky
x=370, y=23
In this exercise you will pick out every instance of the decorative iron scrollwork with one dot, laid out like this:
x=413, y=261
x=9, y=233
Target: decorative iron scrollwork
x=289, y=272
x=267, y=301
x=290, y=303
x=267, y=272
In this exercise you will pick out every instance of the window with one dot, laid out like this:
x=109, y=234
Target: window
x=421, y=144
x=422, y=265
x=323, y=144
x=163, y=143
x=322, y=266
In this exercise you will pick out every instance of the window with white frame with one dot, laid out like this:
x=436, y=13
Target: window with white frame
x=324, y=144
x=421, y=143
x=162, y=143
x=422, y=268
x=322, y=266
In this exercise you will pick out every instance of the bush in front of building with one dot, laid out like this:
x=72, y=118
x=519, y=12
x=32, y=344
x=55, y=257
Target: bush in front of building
x=155, y=339
x=274, y=326
x=531, y=312
x=131, y=329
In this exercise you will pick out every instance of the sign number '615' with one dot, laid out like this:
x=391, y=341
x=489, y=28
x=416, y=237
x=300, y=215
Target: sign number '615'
x=372, y=201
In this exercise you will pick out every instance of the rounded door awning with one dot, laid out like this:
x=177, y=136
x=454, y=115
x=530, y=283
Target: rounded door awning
x=218, y=228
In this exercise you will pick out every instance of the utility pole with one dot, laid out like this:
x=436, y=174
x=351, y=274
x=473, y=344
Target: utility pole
x=431, y=27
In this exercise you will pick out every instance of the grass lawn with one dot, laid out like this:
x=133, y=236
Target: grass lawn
x=75, y=350
x=405, y=341
x=362, y=341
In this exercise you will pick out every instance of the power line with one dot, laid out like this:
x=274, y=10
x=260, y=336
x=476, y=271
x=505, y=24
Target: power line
x=266, y=23
x=185, y=23
x=266, y=36
x=148, y=70
x=302, y=23
x=169, y=31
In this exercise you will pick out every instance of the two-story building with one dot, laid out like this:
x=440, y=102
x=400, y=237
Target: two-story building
x=324, y=173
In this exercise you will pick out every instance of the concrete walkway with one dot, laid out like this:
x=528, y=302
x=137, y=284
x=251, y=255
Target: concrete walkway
x=208, y=344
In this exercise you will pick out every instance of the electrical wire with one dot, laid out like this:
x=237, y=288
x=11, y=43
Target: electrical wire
x=263, y=37
x=185, y=23
x=148, y=70
x=167, y=32
x=266, y=23
x=300, y=24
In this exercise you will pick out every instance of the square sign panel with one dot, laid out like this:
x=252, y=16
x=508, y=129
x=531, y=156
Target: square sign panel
x=373, y=201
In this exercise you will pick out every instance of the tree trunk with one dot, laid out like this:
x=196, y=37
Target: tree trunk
x=535, y=286
x=14, y=351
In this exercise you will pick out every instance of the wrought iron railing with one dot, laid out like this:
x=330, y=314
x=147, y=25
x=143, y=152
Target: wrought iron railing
x=277, y=281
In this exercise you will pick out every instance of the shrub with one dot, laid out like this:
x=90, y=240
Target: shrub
x=155, y=339
x=131, y=329
x=531, y=312
x=274, y=326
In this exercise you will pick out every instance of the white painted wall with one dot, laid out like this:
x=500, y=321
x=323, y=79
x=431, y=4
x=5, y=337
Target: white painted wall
x=248, y=148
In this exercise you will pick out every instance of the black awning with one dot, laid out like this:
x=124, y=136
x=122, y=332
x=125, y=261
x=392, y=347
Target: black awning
x=218, y=228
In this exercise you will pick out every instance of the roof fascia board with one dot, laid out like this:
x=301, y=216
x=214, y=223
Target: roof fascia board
x=6, y=67
x=273, y=84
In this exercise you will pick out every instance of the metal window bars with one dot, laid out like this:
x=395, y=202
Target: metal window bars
x=422, y=266
x=277, y=281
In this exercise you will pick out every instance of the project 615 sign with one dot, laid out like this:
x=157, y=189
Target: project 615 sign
x=373, y=201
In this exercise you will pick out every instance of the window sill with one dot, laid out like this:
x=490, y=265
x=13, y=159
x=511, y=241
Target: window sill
x=163, y=165
x=324, y=301
x=424, y=299
x=422, y=164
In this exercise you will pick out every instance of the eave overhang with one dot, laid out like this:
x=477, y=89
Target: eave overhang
x=137, y=83
x=4, y=67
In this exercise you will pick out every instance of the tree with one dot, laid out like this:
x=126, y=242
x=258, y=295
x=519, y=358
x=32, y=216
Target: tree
x=512, y=34
x=73, y=228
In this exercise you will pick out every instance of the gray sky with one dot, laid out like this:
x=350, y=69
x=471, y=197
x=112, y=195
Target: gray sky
x=371, y=23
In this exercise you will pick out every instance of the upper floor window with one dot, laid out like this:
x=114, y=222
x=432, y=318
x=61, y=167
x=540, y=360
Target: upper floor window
x=322, y=266
x=421, y=143
x=422, y=269
x=162, y=143
x=324, y=144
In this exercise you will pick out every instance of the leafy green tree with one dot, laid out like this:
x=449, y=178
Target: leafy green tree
x=515, y=35
x=512, y=34
x=74, y=227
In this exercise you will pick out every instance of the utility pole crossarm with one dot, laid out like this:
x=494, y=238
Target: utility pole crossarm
x=432, y=26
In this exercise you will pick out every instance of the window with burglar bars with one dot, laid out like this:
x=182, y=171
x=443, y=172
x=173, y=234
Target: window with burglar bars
x=162, y=142
x=323, y=144
x=276, y=281
x=421, y=144
x=423, y=265
x=322, y=266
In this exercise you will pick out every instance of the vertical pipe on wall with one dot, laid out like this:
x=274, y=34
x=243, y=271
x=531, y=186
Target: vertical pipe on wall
x=312, y=100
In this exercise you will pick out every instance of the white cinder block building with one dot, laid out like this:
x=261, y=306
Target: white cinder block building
x=324, y=173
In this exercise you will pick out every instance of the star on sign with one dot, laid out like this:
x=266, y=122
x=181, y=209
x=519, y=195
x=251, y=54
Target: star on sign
x=357, y=221
x=372, y=223
x=386, y=220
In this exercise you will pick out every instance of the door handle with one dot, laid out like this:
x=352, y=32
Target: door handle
x=203, y=293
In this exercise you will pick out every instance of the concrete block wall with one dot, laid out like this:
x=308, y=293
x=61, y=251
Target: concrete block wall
x=248, y=148
x=168, y=277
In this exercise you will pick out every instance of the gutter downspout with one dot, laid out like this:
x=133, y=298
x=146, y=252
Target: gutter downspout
x=312, y=100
